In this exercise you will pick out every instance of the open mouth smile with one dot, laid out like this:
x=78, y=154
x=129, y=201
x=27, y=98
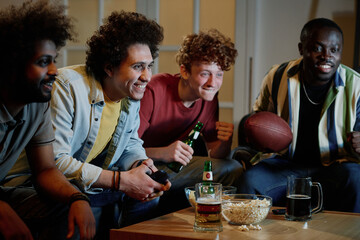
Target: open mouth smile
x=325, y=68
x=48, y=85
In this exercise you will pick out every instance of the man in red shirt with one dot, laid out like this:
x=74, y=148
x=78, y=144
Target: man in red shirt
x=173, y=104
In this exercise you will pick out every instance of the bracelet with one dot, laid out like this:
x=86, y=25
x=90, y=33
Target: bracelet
x=118, y=184
x=78, y=196
x=113, y=182
x=140, y=162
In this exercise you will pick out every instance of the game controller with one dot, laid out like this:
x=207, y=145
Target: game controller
x=160, y=176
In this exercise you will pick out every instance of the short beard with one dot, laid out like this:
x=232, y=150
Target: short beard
x=27, y=93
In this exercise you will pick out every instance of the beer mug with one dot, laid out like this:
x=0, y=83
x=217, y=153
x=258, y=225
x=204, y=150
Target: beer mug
x=208, y=207
x=298, y=198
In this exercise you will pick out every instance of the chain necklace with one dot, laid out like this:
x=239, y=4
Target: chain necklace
x=307, y=96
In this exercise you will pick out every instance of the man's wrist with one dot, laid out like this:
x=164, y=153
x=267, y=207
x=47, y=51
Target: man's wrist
x=78, y=196
x=118, y=183
x=123, y=181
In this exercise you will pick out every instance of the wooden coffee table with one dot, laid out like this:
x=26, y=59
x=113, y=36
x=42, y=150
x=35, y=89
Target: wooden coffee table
x=179, y=225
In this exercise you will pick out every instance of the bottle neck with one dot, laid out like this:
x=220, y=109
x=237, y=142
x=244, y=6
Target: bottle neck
x=193, y=135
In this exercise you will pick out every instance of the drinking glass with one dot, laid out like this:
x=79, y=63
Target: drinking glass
x=298, y=198
x=208, y=207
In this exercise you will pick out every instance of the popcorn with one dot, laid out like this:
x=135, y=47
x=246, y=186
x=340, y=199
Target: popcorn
x=243, y=228
x=192, y=198
x=246, y=228
x=249, y=212
x=252, y=227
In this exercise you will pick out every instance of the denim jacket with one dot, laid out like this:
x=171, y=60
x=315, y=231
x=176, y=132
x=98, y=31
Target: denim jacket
x=76, y=107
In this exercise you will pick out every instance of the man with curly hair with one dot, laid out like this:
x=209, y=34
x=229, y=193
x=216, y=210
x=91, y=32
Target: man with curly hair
x=95, y=113
x=30, y=36
x=173, y=104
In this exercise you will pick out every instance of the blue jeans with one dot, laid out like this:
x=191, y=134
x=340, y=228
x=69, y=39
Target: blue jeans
x=340, y=182
x=114, y=209
x=45, y=218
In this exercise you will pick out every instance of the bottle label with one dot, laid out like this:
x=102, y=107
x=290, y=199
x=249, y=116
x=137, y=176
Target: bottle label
x=207, y=176
x=196, y=134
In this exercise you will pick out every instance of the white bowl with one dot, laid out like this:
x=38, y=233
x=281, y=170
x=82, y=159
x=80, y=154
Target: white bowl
x=244, y=209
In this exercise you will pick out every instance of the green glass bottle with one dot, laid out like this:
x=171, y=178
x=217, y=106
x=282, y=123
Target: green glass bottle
x=208, y=178
x=207, y=174
x=193, y=135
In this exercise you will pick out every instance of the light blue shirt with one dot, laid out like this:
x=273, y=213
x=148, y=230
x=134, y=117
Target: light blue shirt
x=76, y=107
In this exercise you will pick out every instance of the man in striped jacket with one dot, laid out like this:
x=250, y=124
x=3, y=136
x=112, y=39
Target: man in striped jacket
x=320, y=99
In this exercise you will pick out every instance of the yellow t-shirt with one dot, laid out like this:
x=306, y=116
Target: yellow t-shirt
x=108, y=122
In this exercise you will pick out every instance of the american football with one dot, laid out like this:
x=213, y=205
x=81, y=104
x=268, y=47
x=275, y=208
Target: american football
x=267, y=132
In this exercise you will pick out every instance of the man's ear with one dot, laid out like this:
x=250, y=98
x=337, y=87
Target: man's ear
x=108, y=69
x=300, y=47
x=183, y=72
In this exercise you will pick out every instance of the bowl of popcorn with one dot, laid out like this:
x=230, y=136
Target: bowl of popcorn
x=190, y=193
x=245, y=209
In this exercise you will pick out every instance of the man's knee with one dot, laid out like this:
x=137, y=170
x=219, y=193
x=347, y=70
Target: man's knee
x=227, y=166
x=228, y=172
x=350, y=173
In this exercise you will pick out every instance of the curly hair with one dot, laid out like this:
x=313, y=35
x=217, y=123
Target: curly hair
x=22, y=27
x=109, y=45
x=207, y=47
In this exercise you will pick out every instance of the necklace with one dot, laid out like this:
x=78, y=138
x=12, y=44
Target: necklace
x=307, y=96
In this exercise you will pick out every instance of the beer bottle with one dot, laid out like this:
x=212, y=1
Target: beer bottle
x=207, y=174
x=193, y=135
x=208, y=177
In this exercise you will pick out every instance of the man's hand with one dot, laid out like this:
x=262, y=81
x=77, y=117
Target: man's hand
x=175, y=152
x=47, y=175
x=354, y=140
x=80, y=214
x=137, y=184
x=224, y=131
x=221, y=147
x=11, y=225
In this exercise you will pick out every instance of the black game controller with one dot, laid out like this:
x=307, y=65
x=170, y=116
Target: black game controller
x=159, y=176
